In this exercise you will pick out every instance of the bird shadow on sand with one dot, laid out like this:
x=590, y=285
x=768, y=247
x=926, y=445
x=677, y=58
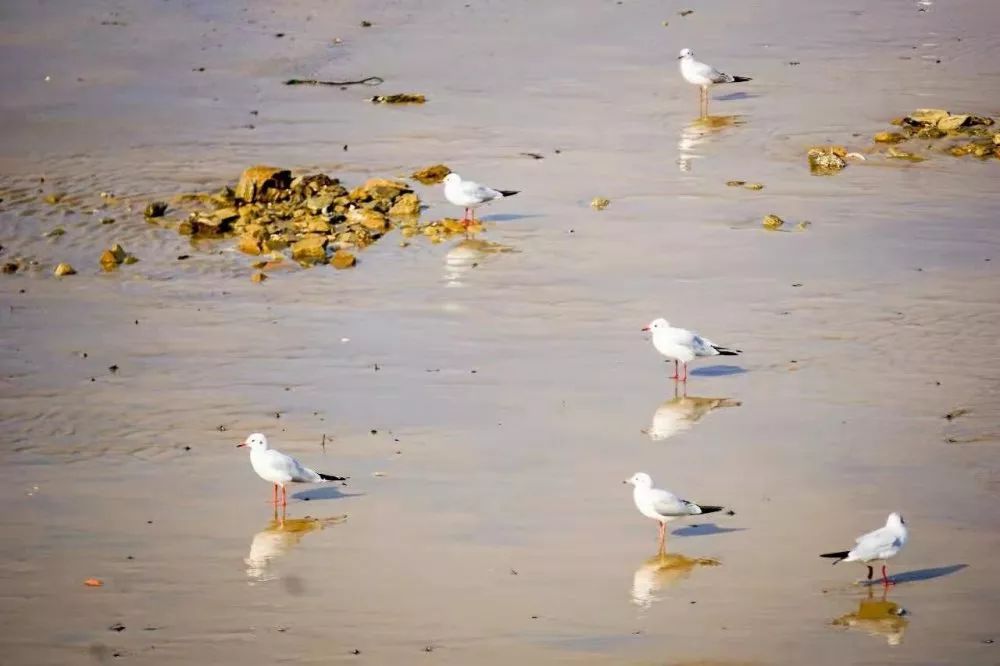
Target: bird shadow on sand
x=506, y=217
x=718, y=371
x=323, y=493
x=919, y=574
x=704, y=529
x=735, y=95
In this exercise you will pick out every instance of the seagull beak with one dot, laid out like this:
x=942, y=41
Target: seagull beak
x=645, y=328
x=680, y=57
x=241, y=445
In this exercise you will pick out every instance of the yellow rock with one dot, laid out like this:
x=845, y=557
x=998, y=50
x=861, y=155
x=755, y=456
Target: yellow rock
x=889, y=137
x=258, y=183
x=378, y=188
x=64, y=269
x=108, y=261
x=600, y=203
x=258, y=277
x=407, y=205
x=431, y=175
x=803, y=225
x=928, y=116
x=756, y=187
x=249, y=244
x=736, y=183
x=772, y=222
x=342, y=259
x=310, y=250
x=904, y=155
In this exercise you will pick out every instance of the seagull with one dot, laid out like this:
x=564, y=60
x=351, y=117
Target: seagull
x=470, y=195
x=662, y=506
x=700, y=74
x=279, y=469
x=880, y=544
x=679, y=344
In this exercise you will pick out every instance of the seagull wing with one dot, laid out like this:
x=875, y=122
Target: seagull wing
x=479, y=192
x=290, y=468
x=868, y=546
x=667, y=504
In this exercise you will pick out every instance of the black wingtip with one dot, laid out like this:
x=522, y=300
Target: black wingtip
x=837, y=557
x=727, y=352
x=741, y=79
x=330, y=477
x=508, y=193
x=710, y=509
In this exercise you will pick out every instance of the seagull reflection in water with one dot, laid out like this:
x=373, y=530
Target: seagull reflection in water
x=680, y=413
x=663, y=570
x=877, y=617
x=280, y=536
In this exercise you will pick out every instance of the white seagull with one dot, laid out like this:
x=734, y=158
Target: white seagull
x=470, y=195
x=680, y=344
x=704, y=76
x=279, y=469
x=880, y=544
x=663, y=506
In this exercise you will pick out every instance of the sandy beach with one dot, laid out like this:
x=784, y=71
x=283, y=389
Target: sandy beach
x=488, y=406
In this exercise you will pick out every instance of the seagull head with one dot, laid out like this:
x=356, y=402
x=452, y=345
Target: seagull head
x=685, y=53
x=640, y=480
x=895, y=520
x=255, y=442
x=452, y=179
x=656, y=324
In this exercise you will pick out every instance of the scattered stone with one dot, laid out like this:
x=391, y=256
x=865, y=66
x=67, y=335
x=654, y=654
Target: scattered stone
x=401, y=98
x=736, y=183
x=107, y=220
x=600, y=203
x=93, y=582
x=366, y=24
x=64, y=269
x=431, y=175
x=825, y=160
x=117, y=626
x=803, y=225
x=155, y=209
x=955, y=413
x=756, y=187
x=249, y=245
x=889, y=137
x=772, y=222
x=259, y=183
x=342, y=259
x=685, y=12
x=54, y=197
x=406, y=205
x=310, y=250
x=54, y=233
x=896, y=153
x=10, y=267
x=258, y=277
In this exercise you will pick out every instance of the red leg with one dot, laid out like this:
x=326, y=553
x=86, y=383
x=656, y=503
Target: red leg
x=885, y=579
x=663, y=536
x=284, y=497
x=675, y=375
x=685, y=373
x=274, y=494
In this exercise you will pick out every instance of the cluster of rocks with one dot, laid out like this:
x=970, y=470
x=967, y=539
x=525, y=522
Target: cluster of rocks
x=957, y=134
x=313, y=217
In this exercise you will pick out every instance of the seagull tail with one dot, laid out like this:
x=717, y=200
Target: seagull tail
x=330, y=477
x=741, y=79
x=508, y=193
x=838, y=556
x=706, y=508
x=727, y=352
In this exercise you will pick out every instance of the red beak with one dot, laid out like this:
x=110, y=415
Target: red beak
x=241, y=445
x=645, y=328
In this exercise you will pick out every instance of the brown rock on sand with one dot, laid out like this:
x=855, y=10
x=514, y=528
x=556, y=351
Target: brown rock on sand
x=257, y=182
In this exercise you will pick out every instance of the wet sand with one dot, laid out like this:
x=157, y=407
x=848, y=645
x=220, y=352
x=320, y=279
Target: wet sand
x=486, y=518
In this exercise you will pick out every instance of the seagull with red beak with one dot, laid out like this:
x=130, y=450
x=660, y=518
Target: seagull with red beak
x=279, y=469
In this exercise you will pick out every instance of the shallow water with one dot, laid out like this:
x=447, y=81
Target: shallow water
x=513, y=390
